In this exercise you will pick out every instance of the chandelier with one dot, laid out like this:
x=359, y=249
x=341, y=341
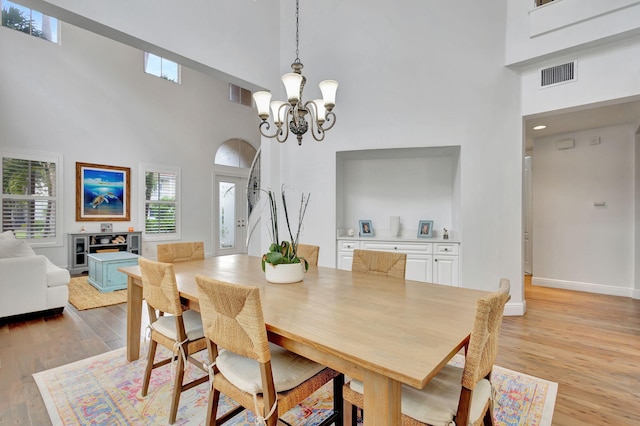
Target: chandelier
x=294, y=112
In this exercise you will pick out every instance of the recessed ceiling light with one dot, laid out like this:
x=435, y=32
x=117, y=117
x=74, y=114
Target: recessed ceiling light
x=540, y=127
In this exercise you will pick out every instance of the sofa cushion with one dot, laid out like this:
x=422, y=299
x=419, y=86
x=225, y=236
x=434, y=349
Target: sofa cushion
x=56, y=276
x=7, y=235
x=15, y=248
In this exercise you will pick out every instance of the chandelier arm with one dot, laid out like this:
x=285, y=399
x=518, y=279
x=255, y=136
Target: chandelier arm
x=265, y=126
x=331, y=119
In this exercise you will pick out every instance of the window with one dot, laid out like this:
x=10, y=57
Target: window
x=161, y=205
x=30, y=197
x=161, y=67
x=29, y=21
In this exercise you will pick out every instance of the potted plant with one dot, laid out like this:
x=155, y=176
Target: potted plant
x=281, y=263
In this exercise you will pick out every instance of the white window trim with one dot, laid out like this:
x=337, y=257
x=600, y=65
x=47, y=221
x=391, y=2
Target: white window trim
x=59, y=198
x=155, y=168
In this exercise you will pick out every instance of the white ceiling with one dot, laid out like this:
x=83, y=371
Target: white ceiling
x=584, y=118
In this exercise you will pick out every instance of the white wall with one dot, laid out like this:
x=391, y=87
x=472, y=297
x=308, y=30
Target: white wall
x=636, y=291
x=402, y=85
x=577, y=245
x=415, y=184
x=226, y=38
x=89, y=99
x=604, y=74
x=563, y=26
x=414, y=75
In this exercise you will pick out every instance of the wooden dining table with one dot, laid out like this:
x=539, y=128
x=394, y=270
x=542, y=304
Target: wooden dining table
x=381, y=330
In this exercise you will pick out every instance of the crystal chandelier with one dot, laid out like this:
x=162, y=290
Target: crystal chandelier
x=293, y=112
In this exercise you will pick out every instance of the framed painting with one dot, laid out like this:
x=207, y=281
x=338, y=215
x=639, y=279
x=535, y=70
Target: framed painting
x=366, y=228
x=102, y=192
x=425, y=229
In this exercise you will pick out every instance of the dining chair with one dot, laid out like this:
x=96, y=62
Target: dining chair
x=179, y=331
x=461, y=396
x=180, y=252
x=379, y=262
x=309, y=252
x=260, y=376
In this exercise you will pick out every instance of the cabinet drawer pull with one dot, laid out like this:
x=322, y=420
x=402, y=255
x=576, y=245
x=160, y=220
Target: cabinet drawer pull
x=395, y=248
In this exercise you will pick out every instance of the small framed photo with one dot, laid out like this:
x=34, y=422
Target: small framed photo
x=106, y=227
x=425, y=229
x=366, y=228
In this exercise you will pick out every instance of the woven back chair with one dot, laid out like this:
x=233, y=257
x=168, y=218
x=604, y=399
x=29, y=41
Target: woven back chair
x=180, y=331
x=180, y=252
x=379, y=262
x=310, y=253
x=460, y=395
x=250, y=370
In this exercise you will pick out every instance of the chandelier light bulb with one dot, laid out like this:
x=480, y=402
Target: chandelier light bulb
x=328, y=89
x=262, y=100
x=292, y=82
x=279, y=112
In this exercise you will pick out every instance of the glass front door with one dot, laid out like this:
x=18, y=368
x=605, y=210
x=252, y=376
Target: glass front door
x=231, y=215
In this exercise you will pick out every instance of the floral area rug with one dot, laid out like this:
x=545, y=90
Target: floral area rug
x=105, y=390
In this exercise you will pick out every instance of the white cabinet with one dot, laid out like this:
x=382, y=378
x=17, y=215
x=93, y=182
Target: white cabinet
x=433, y=261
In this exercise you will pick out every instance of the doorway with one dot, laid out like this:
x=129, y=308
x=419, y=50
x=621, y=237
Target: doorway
x=230, y=215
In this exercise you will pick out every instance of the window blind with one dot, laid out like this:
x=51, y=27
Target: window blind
x=29, y=202
x=161, y=202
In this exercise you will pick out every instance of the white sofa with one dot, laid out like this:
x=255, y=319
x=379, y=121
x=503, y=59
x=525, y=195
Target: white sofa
x=28, y=282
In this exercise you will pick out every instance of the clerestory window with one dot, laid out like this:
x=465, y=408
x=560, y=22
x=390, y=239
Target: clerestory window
x=29, y=21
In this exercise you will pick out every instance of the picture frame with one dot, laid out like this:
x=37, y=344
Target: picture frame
x=102, y=193
x=425, y=229
x=366, y=228
x=106, y=227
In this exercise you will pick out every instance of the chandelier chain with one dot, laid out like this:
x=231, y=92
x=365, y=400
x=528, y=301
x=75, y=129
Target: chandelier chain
x=297, y=30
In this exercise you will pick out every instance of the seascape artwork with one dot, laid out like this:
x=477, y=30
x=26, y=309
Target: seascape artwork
x=102, y=192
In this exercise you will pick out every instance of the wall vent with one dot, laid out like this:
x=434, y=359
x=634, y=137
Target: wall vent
x=558, y=74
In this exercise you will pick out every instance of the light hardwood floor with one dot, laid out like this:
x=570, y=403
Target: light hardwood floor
x=589, y=344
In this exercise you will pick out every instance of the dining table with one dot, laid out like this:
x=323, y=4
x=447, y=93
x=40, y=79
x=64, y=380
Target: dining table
x=381, y=330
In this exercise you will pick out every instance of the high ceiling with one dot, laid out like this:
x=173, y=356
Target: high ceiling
x=591, y=117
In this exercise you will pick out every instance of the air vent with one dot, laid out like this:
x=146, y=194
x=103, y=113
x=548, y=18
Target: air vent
x=239, y=95
x=558, y=74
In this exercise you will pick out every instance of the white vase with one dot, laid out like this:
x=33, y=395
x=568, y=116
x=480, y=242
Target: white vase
x=284, y=273
x=394, y=225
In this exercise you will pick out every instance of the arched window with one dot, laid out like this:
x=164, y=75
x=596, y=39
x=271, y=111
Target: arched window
x=235, y=153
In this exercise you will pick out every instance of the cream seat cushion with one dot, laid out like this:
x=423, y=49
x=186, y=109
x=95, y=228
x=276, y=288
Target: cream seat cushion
x=289, y=369
x=166, y=325
x=437, y=403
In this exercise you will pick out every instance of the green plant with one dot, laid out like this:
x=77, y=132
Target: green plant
x=284, y=252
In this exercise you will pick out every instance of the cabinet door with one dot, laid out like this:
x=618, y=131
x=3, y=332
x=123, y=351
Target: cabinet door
x=80, y=247
x=445, y=270
x=345, y=260
x=419, y=268
x=134, y=243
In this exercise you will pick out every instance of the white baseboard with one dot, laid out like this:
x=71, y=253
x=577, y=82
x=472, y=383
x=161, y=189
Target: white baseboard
x=515, y=309
x=586, y=287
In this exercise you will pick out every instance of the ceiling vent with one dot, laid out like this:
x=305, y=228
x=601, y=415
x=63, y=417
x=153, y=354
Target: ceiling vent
x=558, y=74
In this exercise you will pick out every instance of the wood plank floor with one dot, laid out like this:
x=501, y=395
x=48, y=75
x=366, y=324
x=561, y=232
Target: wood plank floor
x=589, y=344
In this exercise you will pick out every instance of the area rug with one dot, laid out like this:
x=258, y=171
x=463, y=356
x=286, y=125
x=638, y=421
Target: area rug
x=105, y=390
x=83, y=295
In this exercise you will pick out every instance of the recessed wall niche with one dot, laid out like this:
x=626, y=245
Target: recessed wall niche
x=413, y=183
